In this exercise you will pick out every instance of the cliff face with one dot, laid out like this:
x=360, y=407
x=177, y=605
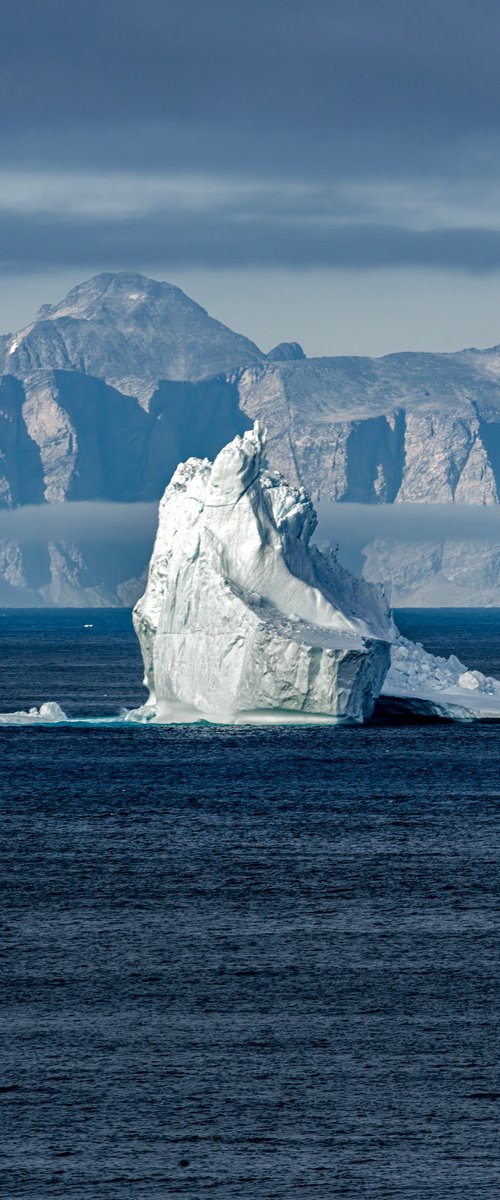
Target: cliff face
x=434, y=574
x=67, y=436
x=414, y=428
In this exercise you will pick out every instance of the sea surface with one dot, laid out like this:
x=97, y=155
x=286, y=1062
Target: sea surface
x=240, y=962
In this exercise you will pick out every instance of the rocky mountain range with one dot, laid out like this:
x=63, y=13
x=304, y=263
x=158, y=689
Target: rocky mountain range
x=104, y=393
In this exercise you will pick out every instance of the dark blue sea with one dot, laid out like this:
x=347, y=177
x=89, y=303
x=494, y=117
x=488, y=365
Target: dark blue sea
x=243, y=963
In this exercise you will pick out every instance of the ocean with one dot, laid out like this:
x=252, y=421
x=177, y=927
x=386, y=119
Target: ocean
x=241, y=962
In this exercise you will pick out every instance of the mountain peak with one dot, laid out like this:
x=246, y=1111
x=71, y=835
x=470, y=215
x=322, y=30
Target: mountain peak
x=131, y=331
x=111, y=292
x=286, y=352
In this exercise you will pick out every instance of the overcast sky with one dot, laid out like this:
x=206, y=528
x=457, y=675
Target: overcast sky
x=319, y=170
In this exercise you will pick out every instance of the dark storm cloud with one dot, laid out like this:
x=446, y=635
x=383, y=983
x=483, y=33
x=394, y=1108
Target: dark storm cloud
x=315, y=92
x=276, y=82
x=218, y=240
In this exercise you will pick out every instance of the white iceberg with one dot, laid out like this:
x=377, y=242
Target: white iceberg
x=242, y=619
x=245, y=620
x=49, y=713
x=422, y=685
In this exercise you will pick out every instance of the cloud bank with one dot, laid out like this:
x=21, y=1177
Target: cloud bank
x=38, y=241
x=81, y=520
x=266, y=132
x=353, y=526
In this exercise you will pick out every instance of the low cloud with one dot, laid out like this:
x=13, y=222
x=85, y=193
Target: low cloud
x=88, y=521
x=353, y=526
x=111, y=543
x=409, y=522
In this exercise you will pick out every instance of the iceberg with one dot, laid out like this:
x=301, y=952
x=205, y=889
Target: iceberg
x=244, y=619
x=420, y=684
x=49, y=713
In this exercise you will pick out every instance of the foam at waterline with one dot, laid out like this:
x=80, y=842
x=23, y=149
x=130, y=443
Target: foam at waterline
x=51, y=714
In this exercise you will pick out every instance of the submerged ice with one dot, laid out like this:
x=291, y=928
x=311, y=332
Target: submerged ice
x=49, y=713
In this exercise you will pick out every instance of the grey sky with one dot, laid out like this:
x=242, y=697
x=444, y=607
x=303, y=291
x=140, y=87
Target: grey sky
x=329, y=148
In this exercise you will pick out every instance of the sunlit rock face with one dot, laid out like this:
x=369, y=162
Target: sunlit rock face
x=244, y=620
x=413, y=428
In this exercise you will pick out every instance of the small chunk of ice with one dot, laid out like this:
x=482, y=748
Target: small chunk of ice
x=48, y=713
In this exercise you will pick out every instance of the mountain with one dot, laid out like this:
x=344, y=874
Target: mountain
x=105, y=392
x=63, y=573
x=285, y=352
x=130, y=331
x=406, y=427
